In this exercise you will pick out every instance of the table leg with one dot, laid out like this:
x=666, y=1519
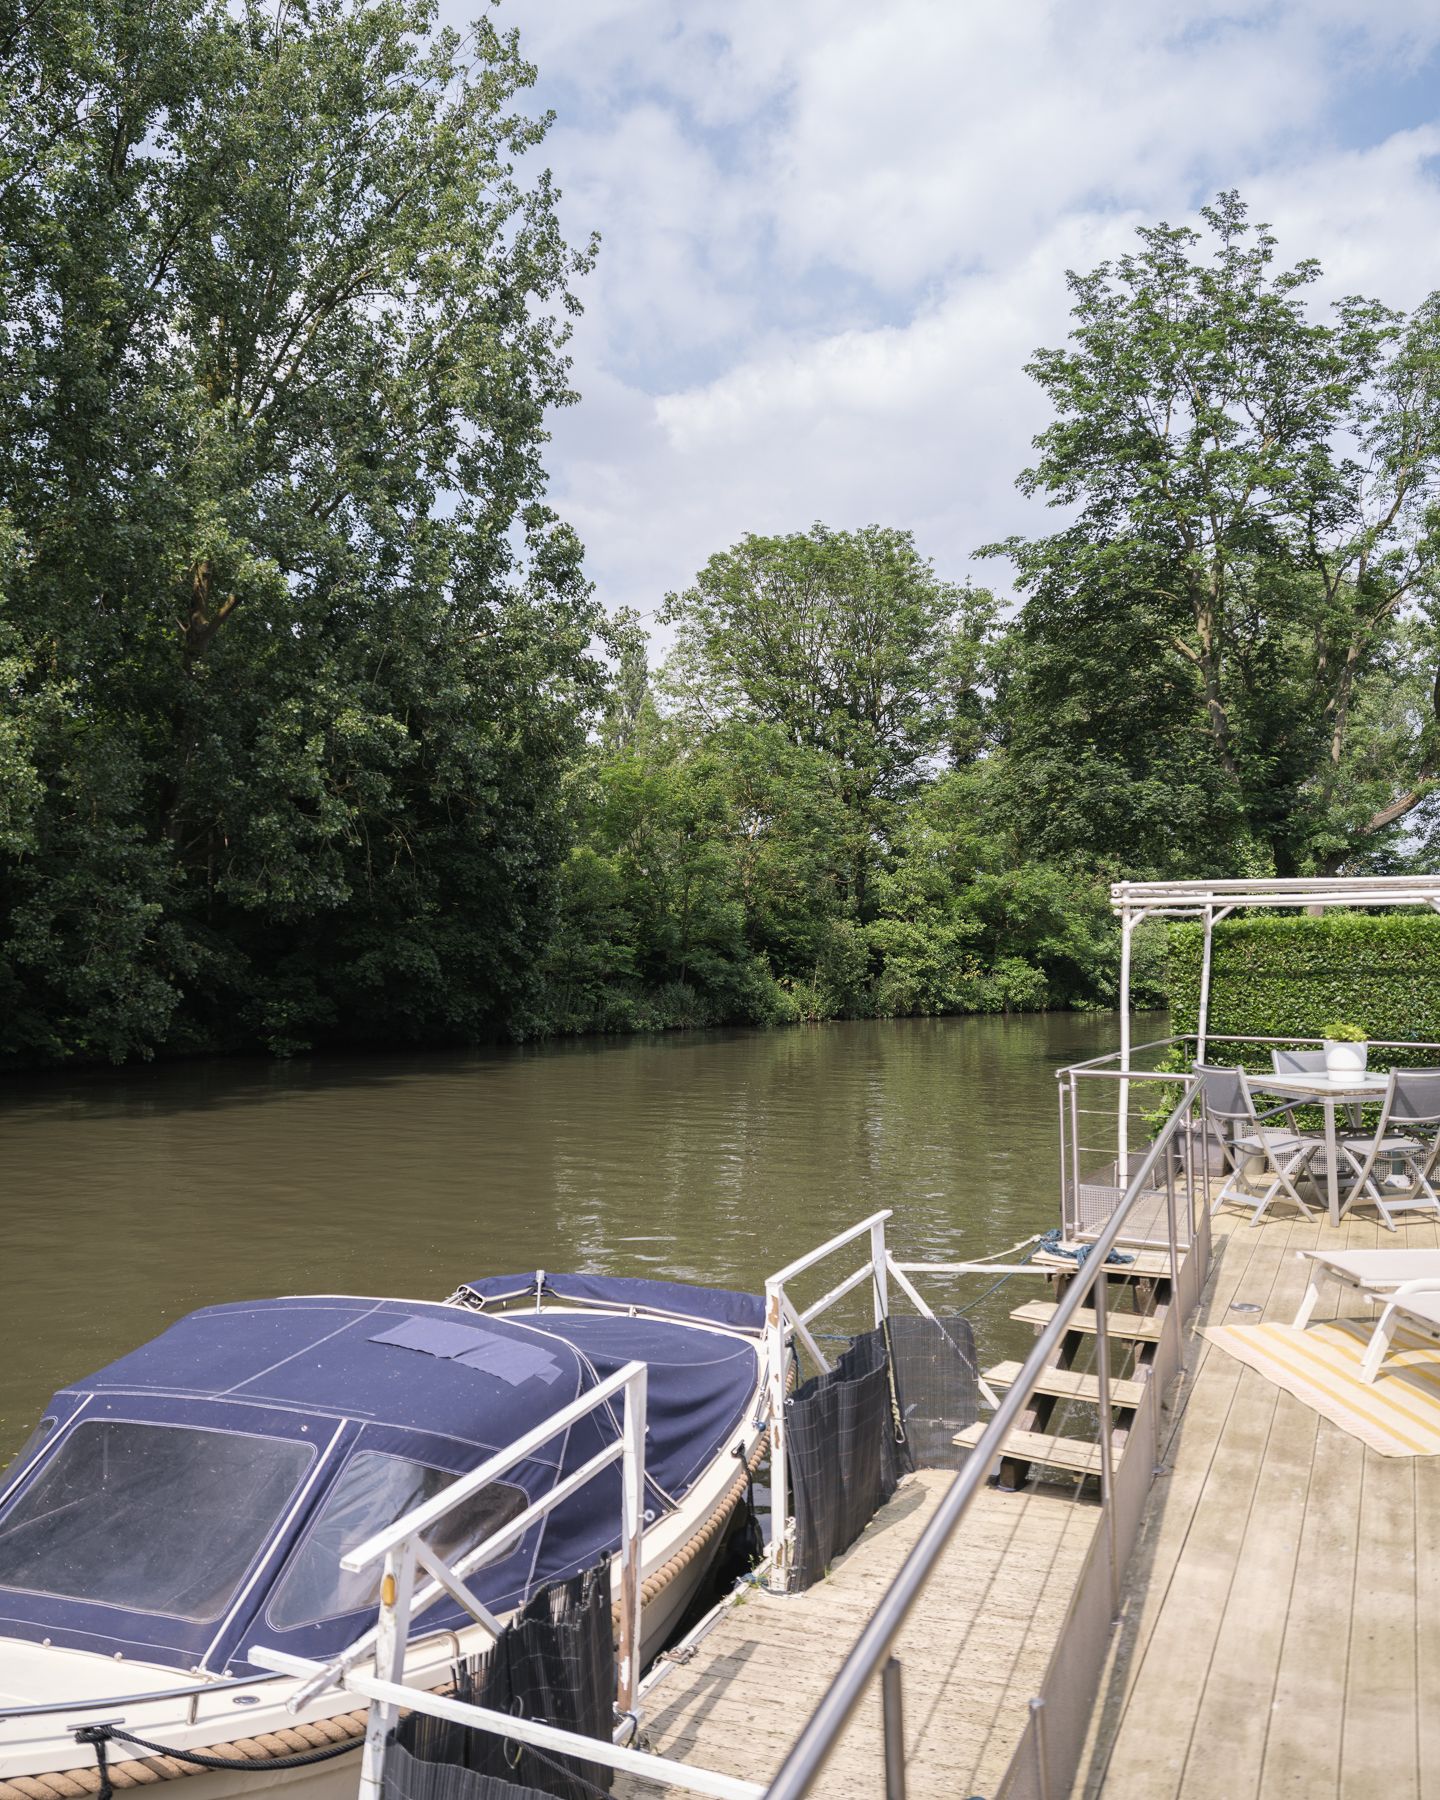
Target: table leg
x=1332, y=1163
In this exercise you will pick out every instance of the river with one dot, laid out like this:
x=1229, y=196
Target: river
x=133, y=1196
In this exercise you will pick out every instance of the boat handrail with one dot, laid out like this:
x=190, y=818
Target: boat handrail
x=93, y=1704
x=1101, y=1065
x=821, y=1731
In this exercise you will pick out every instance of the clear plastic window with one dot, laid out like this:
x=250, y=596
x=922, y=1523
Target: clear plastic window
x=157, y=1518
x=22, y=1456
x=373, y=1491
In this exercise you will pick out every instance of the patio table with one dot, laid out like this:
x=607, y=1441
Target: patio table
x=1319, y=1085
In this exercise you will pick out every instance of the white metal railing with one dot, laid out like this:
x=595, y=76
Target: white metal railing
x=808, y=1755
x=403, y=1553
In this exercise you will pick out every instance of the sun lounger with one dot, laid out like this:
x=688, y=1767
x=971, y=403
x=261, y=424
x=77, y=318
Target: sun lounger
x=1416, y=1305
x=1378, y=1271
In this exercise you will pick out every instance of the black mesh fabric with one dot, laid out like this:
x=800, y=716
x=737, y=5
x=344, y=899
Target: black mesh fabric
x=842, y=1454
x=844, y=1451
x=938, y=1386
x=555, y=1661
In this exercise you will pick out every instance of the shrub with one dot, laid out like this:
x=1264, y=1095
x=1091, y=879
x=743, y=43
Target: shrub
x=1285, y=977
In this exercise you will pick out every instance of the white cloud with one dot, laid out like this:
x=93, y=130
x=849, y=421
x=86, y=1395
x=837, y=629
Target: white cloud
x=834, y=234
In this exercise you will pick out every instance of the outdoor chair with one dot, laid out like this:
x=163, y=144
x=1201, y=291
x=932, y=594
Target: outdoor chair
x=1254, y=1152
x=1407, y=1139
x=1307, y=1062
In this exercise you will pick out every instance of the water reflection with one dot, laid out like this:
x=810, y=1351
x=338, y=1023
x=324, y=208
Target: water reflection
x=133, y=1197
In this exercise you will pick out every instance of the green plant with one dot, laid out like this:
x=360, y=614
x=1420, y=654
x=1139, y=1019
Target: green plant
x=1339, y=1032
x=1273, y=978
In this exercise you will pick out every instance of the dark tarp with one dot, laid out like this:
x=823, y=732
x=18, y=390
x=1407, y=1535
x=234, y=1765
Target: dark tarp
x=845, y=1452
x=555, y=1662
x=842, y=1454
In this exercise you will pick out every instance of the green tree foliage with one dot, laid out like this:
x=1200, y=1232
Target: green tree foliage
x=799, y=822
x=851, y=647
x=1227, y=658
x=293, y=653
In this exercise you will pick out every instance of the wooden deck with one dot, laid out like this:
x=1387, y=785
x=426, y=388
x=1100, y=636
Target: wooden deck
x=972, y=1654
x=1281, y=1632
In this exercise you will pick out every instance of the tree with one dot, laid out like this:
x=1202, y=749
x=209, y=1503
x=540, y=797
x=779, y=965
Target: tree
x=850, y=645
x=293, y=650
x=1253, y=540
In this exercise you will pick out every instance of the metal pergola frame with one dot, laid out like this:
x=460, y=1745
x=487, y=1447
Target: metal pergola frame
x=1211, y=901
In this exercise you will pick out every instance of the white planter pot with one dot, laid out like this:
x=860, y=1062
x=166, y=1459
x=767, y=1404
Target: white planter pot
x=1345, y=1059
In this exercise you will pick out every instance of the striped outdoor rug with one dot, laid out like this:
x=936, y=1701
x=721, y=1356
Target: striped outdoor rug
x=1399, y=1415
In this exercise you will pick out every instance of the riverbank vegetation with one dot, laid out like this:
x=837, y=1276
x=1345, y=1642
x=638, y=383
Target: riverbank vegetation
x=312, y=730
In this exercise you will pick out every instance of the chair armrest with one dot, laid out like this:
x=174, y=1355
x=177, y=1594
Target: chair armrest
x=1271, y=1112
x=1421, y=1284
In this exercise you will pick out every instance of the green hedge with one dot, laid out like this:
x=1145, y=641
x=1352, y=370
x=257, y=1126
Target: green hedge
x=1285, y=977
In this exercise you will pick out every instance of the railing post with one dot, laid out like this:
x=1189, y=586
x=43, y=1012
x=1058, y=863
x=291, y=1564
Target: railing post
x=882, y=1271
x=1107, y=1480
x=1042, y=1756
x=775, y=1352
x=1075, y=1146
x=1067, y=1225
x=392, y=1635
x=892, y=1709
x=632, y=1470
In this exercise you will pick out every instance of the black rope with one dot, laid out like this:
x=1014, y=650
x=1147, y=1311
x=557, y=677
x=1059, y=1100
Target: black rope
x=101, y=1735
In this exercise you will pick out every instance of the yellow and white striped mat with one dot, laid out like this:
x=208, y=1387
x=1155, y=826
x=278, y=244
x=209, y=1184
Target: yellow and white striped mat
x=1399, y=1414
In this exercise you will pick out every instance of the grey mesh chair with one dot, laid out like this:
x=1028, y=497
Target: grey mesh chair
x=1407, y=1139
x=1255, y=1154
x=1308, y=1062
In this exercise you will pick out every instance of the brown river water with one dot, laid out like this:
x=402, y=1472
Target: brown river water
x=131, y=1197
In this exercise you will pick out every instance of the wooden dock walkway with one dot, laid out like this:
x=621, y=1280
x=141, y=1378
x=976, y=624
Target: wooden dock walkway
x=973, y=1653
x=1281, y=1631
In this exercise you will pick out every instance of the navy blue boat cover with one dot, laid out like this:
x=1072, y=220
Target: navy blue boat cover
x=433, y=1383
x=711, y=1306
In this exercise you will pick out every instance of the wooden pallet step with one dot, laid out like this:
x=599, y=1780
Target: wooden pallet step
x=1041, y=1447
x=1149, y=1265
x=1139, y=1328
x=1070, y=1384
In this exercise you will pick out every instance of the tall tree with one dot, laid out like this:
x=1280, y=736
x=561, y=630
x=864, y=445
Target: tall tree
x=1253, y=538
x=850, y=645
x=293, y=650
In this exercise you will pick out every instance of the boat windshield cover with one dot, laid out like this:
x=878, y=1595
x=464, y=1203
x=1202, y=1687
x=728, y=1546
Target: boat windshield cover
x=674, y=1299
x=153, y=1518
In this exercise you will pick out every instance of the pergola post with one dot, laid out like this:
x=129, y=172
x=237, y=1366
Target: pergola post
x=1127, y=933
x=1203, y=1021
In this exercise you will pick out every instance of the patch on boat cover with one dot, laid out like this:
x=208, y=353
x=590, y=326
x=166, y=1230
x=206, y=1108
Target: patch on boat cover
x=508, y=1359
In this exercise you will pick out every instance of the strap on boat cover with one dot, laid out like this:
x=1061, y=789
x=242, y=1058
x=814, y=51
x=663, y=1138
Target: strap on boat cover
x=555, y=1661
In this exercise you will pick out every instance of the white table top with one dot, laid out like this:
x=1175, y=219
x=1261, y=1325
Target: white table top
x=1321, y=1084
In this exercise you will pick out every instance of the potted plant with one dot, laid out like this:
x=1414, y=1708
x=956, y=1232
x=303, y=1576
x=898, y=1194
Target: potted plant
x=1346, y=1048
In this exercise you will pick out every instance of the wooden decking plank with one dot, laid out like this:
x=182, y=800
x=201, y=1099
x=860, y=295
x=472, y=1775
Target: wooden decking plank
x=1175, y=1662
x=1139, y=1327
x=1307, y=1709
x=1427, y=1617
x=972, y=1652
x=1070, y=1384
x=1042, y=1447
x=1379, y=1751
x=1231, y=1725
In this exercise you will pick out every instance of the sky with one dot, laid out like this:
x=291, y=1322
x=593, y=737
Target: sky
x=833, y=234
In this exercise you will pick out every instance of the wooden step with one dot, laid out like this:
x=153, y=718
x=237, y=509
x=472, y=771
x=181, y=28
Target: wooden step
x=1041, y=1447
x=1070, y=1384
x=1149, y=1265
x=1139, y=1328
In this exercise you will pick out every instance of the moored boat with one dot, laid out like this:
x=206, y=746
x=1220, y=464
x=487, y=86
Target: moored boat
x=194, y=1498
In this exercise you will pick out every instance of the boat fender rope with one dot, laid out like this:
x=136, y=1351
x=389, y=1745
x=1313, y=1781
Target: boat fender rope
x=101, y=1735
